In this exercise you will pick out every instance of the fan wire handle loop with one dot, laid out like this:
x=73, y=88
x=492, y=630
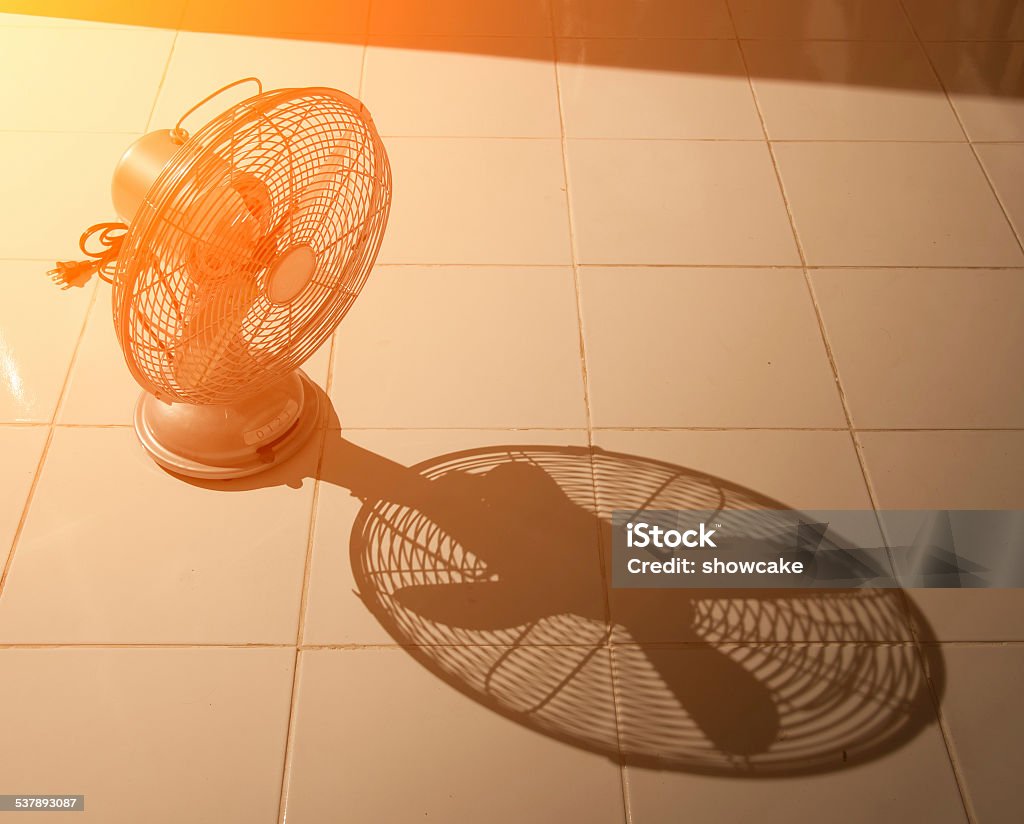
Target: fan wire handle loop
x=70, y=273
x=177, y=126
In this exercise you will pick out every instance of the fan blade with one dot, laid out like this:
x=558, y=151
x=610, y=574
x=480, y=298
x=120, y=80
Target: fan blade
x=334, y=183
x=225, y=291
x=211, y=337
x=745, y=725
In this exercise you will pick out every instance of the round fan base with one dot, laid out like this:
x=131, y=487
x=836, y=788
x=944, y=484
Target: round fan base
x=218, y=442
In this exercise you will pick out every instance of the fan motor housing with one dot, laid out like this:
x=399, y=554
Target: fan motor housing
x=139, y=167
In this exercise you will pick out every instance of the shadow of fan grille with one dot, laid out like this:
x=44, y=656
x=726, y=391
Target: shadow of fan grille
x=843, y=682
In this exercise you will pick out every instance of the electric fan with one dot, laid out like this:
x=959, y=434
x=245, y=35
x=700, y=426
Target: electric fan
x=244, y=246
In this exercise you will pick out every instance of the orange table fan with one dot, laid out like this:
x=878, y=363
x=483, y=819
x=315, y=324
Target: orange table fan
x=243, y=247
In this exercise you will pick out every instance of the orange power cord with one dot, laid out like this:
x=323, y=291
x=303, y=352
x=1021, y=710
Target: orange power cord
x=102, y=262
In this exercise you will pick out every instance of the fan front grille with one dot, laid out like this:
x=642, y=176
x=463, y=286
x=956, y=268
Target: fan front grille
x=296, y=170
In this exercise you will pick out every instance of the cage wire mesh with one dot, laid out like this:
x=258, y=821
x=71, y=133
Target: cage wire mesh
x=284, y=170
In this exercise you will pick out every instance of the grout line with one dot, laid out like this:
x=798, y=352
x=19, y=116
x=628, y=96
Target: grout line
x=855, y=267
x=574, y=429
x=94, y=301
x=300, y=624
x=51, y=429
x=882, y=267
x=575, y=138
x=979, y=642
x=317, y=485
x=804, y=429
x=141, y=645
x=94, y=426
x=643, y=139
x=300, y=627
x=93, y=132
x=606, y=603
x=550, y=138
x=289, y=739
x=792, y=222
x=947, y=735
x=862, y=40
x=573, y=248
x=874, y=267
x=769, y=644
x=819, y=315
x=581, y=342
x=579, y=138
x=847, y=411
x=573, y=245
x=938, y=429
x=364, y=56
x=623, y=775
x=341, y=647
x=610, y=644
x=944, y=730
x=163, y=77
x=1018, y=235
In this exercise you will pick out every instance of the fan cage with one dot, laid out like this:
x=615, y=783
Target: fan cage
x=282, y=170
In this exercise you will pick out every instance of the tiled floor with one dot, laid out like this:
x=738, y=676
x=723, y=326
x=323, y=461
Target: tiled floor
x=640, y=250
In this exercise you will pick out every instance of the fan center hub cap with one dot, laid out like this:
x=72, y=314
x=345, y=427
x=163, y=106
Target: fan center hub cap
x=290, y=273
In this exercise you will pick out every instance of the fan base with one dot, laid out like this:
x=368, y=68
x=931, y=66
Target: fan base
x=218, y=442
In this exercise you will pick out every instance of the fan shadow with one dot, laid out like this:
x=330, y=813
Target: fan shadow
x=489, y=566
